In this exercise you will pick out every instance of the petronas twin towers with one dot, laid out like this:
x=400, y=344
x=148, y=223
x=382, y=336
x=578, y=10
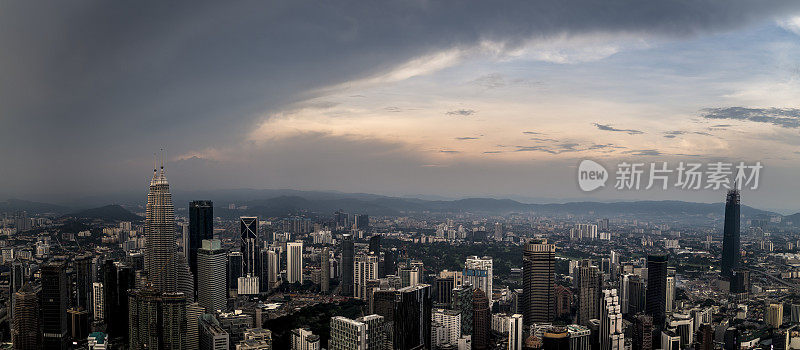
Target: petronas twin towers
x=160, y=261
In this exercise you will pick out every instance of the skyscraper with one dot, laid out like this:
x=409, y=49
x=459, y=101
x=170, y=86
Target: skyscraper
x=294, y=262
x=611, y=336
x=412, y=318
x=157, y=320
x=325, y=270
x=366, y=268
x=364, y=333
x=538, y=282
x=731, y=245
x=54, y=301
x=643, y=332
x=481, y=320
x=589, y=281
x=670, y=298
x=159, y=262
x=117, y=280
x=25, y=324
x=479, y=273
x=201, y=227
x=248, y=232
x=273, y=268
x=211, y=293
x=461, y=300
x=375, y=244
x=83, y=282
x=347, y=265
x=234, y=269
x=656, y=288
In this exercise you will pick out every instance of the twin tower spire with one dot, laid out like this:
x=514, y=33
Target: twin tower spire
x=159, y=178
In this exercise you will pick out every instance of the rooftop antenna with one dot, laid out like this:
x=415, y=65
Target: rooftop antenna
x=162, y=158
x=155, y=162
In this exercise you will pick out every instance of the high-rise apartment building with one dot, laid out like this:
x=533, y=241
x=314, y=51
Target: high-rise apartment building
x=160, y=263
x=774, y=315
x=364, y=333
x=325, y=270
x=366, y=269
x=304, y=339
x=294, y=262
x=611, y=336
x=670, y=298
x=479, y=273
x=538, y=282
x=515, y=333
x=731, y=244
x=211, y=292
x=446, y=328
x=98, y=301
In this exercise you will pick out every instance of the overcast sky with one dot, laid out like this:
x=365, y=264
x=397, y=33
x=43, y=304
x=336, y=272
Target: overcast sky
x=453, y=98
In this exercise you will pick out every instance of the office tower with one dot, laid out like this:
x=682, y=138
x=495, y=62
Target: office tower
x=347, y=265
x=304, y=339
x=273, y=268
x=185, y=280
x=98, y=301
x=117, y=280
x=409, y=276
x=515, y=334
x=18, y=279
x=538, y=282
x=361, y=221
x=656, y=298
x=478, y=272
x=248, y=285
x=325, y=270
x=412, y=317
x=740, y=282
x=636, y=295
x=212, y=336
x=443, y=287
x=211, y=260
x=643, y=332
x=445, y=328
x=589, y=283
x=54, y=301
x=731, y=245
x=341, y=219
x=624, y=289
x=563, y=298
x=461, y=300
x=78, y=324
x=160, y=258
x=611, y=337
x=670, y=340
x=234, y=269
x=25, y=324
x=83, y=283
x=366, y=268
x=774, y=315
x=481, y=320
x=364, y=333
x=248, y=233
x=201, y=227
x=157, y=320
x=579, y=337
x=375, y=244
x=670, y=299
x=294, y=262
x=193, y=313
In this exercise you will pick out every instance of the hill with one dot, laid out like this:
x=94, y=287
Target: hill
x=107, y=213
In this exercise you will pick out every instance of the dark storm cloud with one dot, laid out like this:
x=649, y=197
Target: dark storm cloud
x=461, y=112
x=98, y=85
x=611, y=128
x=783, y=117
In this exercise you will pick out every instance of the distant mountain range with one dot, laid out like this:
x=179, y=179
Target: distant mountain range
x=276, y=203
x=108, y=213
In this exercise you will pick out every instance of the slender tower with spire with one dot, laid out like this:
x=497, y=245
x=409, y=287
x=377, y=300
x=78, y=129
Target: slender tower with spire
x=731, y=244
x=160, y=259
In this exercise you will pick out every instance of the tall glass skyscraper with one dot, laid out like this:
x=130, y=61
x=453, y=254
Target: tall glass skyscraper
x=538, y=282
x=656, y=298
x=731, y=244
x=248, y=230
x=159, y=262
x=201, y=227
x=348, y=252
